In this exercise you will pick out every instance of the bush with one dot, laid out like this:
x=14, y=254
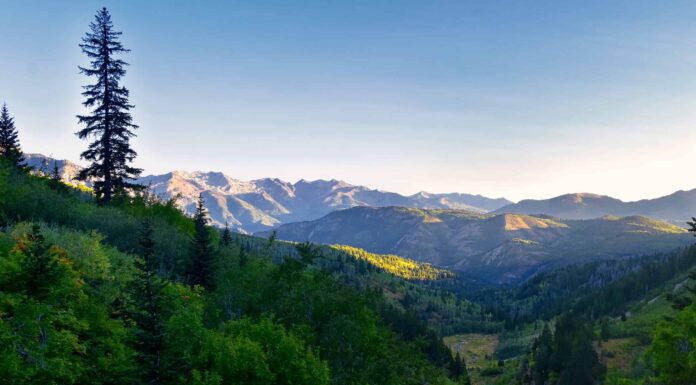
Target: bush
x=491, y=371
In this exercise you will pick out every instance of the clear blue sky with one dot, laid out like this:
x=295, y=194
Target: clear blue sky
x=504, y=98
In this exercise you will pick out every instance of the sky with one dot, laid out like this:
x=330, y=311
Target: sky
x=520, y=99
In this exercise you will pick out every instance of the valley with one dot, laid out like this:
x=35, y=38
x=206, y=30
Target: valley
x=120, y=268
x=484, y=282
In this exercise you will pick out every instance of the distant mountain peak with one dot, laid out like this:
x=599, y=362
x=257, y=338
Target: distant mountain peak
x=260, y=204
x=677, y=207
x=42, y=163
x=336, y=183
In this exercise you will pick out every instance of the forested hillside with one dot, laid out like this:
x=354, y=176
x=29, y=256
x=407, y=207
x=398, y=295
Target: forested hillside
x=635, y=330
x=91, y=292
x=108, y=277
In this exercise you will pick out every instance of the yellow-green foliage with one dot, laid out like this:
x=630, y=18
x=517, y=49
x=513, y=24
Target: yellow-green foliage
x=524, y=241
x=643, y=224
x=399, y=266
x=672, y=350
x=81, y=187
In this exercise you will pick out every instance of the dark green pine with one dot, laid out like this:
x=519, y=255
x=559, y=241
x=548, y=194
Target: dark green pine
x=109, y=125
x=201, y=266
x=10, y=150
x=147, y=311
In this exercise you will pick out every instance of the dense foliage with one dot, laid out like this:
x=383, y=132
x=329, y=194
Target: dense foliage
x=92, y=292
x=595, y=289
x=673, y=350
x=398, y=266
x=566, y=357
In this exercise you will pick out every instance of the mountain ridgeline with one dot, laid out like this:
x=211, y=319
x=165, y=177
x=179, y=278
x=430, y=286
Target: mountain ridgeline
x=503, y=247
x=258, y=205
x=264, y=203
x=251, y=206
x=676, y=207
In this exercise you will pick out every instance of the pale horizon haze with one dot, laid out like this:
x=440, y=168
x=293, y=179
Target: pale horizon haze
x=505, y=99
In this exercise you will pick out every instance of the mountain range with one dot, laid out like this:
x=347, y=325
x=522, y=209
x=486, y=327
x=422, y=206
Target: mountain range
x=676, y=208
x=258, y=205
x=503, y=247
x=67, y=170
x=251, y=206
x=265, y=203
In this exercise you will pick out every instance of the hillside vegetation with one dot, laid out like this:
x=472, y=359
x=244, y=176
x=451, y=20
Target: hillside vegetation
x=259, y=323
x=398, y=266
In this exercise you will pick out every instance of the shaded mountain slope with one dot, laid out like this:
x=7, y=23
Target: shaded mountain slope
x=506, y=247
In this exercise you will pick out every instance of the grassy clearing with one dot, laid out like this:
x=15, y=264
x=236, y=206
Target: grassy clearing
x=620, y=353
x=630, y=338
x=642, y=318
x=477, y=349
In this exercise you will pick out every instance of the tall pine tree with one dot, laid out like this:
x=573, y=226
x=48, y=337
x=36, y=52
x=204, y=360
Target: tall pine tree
x=110, y=123
x=202, y=261
x=55, y=174
x=39, y=265
x=9, y=139
x=226, y=238
x=456, y=366
x=147, y=293
x=459, y=371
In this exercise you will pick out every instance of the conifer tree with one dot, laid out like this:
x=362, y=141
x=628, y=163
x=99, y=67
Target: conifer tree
x=465, y=379
x=242, y=256
x=55, y=174
x=147, y=292
x=9, y=139
x=201, y=266
x=38, y=265
x=110, y=123
x=542, y=350
x=456, y=368
x=307, y=252
x=226, y=238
